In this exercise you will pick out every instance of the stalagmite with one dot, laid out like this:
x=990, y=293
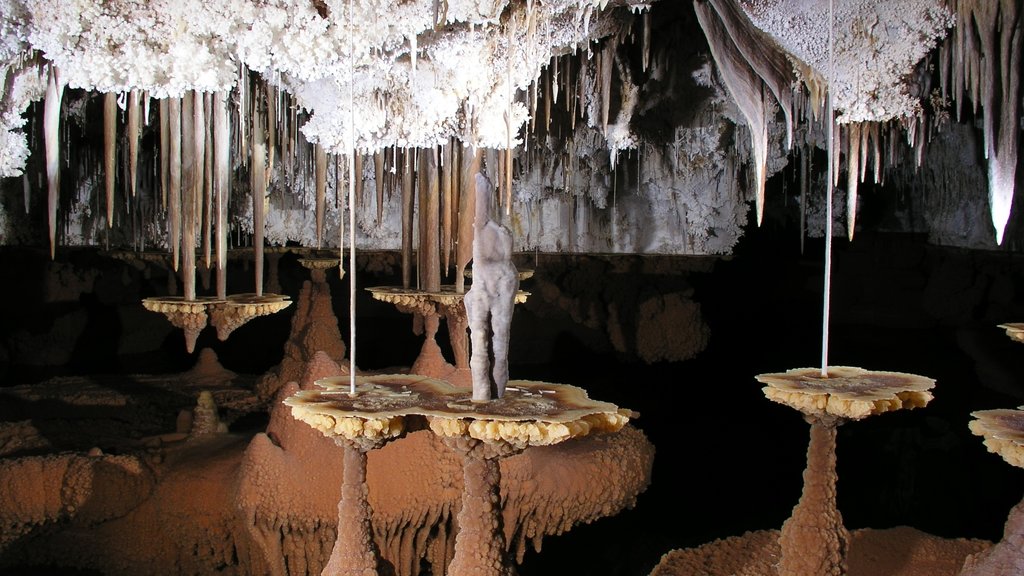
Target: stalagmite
x=221, y=143
x=746, y=89
x=109, y=151
x=852, y=176
x=174, y=178
x=134, y=111
x=51, y=133
x=378, y=177
x=321, y=191
x=407, y=209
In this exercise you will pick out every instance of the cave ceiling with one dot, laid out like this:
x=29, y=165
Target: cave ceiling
x=606, y=126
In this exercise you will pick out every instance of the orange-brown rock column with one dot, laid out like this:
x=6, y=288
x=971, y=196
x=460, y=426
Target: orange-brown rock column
x=480, y=543
x=813, y=540
x=354, y=553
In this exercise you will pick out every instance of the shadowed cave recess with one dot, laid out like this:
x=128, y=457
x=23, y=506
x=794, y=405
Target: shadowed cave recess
x=663, y=169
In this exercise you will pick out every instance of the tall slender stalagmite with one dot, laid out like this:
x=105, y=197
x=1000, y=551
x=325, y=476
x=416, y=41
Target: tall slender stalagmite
x=222, y=147
x=321, y=191
x=174, y=178
x=51, y=134
x=109, y=152
x=134, y=111
x=189, y=176
x=469, y=166
x=408, y=172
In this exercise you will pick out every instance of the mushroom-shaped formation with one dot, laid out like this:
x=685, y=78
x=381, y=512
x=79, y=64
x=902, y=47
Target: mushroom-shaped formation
x=1003, y=434
x=227, y=315
x=447, y=303
x=359, y=421
x=813, y=540
x=415, y=485
x=528, y=414
x=189, y=315
x=1015, y=330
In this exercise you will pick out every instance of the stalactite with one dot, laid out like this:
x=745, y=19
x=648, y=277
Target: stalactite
x=852, y=176
x=581, y=90
x=321, y=191
x=259, y=189
x=358, y=177
x=553, y=78
x=770, y=63
x=407, y=213
x=134, y=109
x=378, y=177
x=273, y=97
x=877, y=149
x=174, y=178
x=109, y=152
x=446, y=204
x=207, y=201
x=198, y=120
x=469, y=166
x=533, y=106
x=646, y=51
x=243, y=110
x=747, y=91
x=429, y=242
x=547, y=104
x=189, y=177
x=51, y=134
x=865, y=130
x=221, y=142
x=165, y=150
x=605, y=67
